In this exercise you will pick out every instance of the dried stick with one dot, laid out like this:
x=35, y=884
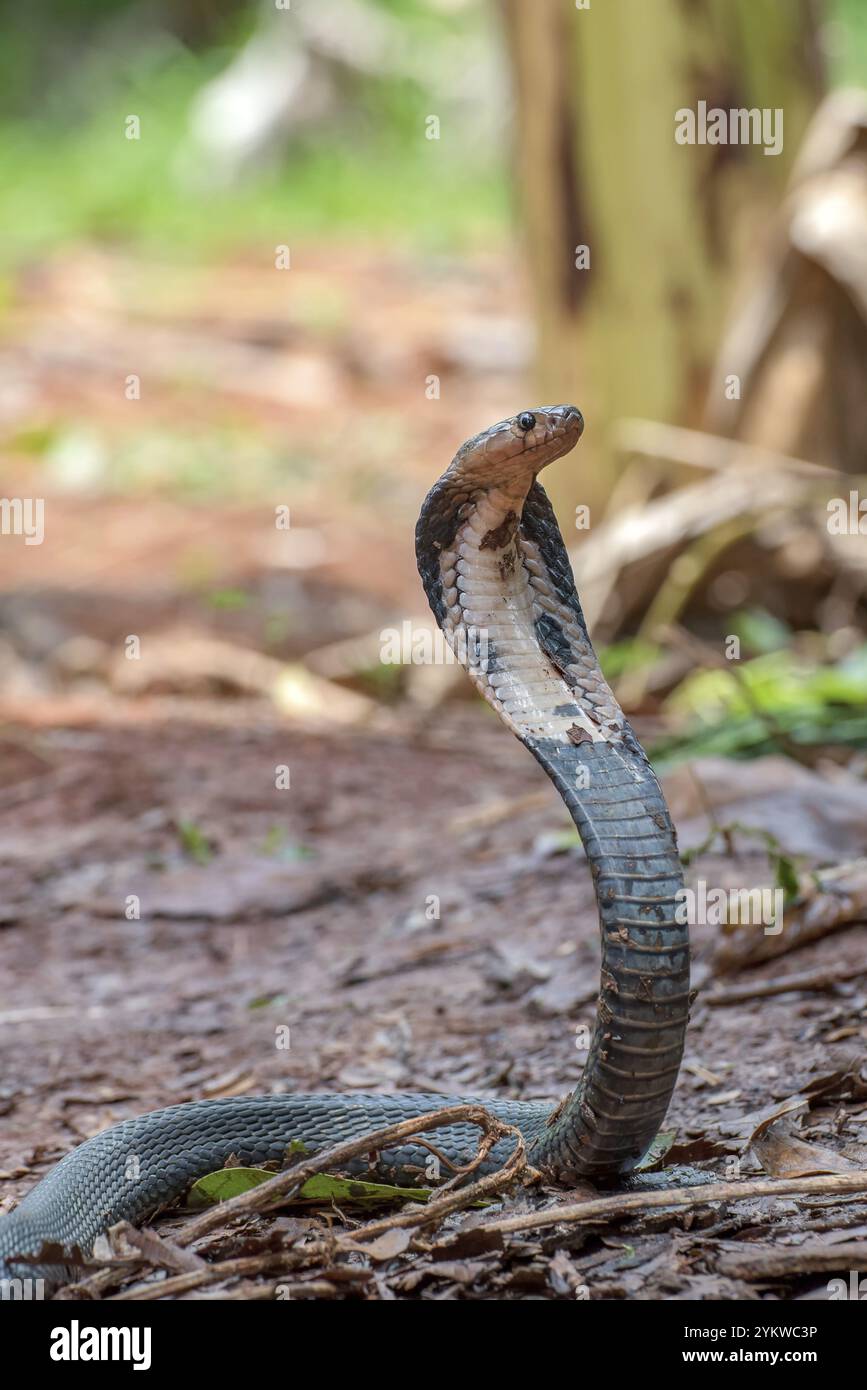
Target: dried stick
x=625, y=1203
x=804, y=979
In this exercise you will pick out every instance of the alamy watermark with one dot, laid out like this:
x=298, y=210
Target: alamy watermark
x=855, y=1291
x=105, y=1343
x=26, y=1290
x=427, y=646
x=23, y=516
x=847, y=516
x=715, y=907
x=739, y=125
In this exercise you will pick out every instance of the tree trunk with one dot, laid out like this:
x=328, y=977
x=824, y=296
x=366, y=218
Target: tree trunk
x=667, y=224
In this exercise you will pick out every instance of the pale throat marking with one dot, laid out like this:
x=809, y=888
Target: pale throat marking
x=487, y=591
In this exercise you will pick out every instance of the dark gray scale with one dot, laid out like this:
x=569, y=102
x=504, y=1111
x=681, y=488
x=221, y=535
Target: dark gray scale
x=489, y=660
x=440, y=520
x=539, y=525
x=554, y=643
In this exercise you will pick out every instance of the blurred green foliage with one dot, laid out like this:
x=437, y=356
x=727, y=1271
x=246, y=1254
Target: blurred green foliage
x=72, y=70
x=780, y=702
x=848, y=41
x=70, y=74
x=230, y=458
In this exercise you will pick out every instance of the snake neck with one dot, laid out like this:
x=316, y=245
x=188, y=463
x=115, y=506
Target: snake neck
x=519, y=633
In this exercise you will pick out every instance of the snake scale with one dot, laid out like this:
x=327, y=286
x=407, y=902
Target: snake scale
x=499, y=582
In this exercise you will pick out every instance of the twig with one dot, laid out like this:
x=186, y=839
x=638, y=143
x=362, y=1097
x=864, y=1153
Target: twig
x=712, y=452
x=450, y=1200
x=270, y=1263
x=804, y=979
x=765, y=1262
x=493, y=812
x=624, y=1204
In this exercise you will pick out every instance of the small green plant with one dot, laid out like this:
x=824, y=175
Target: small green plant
x=194, y=842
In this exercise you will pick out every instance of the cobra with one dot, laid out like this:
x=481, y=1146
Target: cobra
x=500, y=585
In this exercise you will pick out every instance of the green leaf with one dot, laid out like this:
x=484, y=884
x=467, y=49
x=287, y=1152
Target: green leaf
x=787, y=879
x=195, y=842
x=321, y=1187
x=628, y=655
x=760, y=630
x=276, y=844
x=229, y=599
x=225, y=1183
x=266, y=1001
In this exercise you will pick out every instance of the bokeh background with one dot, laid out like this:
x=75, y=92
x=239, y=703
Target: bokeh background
x=430, y=169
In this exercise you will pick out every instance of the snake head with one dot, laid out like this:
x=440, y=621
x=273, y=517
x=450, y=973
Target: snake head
x=523, y=444
x=548, y=423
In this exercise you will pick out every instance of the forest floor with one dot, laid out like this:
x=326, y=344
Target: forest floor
x=309, y=908
x=306, y=909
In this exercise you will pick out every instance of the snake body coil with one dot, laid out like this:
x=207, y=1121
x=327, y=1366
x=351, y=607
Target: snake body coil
x=499, y=582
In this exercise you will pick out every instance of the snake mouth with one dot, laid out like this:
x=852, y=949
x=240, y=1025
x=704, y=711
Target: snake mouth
x=555, y=429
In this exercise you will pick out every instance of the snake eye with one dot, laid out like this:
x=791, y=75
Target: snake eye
x=526, y=420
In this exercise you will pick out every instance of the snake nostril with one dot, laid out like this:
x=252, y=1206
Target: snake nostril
x=527, y=420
